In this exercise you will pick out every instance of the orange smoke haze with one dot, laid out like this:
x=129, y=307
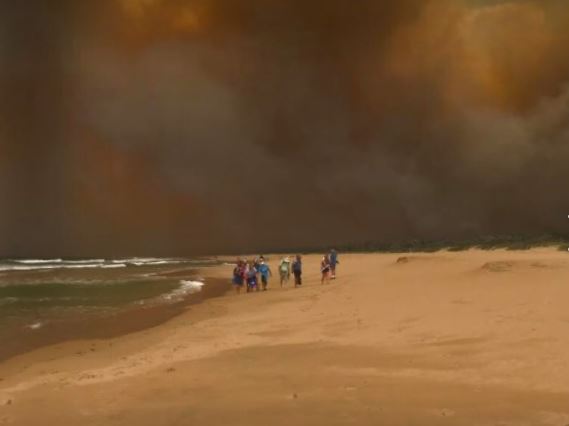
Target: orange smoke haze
x=185, y=126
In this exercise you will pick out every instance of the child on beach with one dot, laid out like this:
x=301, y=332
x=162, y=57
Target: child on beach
x=325, y=269
x=265, y=272
x=297, y=271
x=251, y=278
x=284, y=270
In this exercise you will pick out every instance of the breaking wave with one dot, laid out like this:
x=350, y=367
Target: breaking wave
x=47, y=264
x=186, y=288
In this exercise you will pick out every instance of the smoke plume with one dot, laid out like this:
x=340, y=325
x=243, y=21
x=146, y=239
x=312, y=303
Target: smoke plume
x=190, y=126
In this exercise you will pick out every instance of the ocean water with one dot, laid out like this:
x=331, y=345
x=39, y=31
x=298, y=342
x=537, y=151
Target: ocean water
x=47, y=300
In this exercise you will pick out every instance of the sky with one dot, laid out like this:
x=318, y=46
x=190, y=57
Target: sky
x=182, y=127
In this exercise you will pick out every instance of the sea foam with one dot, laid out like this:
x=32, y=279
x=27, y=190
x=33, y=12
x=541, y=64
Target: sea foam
x=35, y=326
x=186, y=288
x=38, y=261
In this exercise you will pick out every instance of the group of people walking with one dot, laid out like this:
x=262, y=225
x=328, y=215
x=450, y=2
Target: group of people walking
x=250, y=273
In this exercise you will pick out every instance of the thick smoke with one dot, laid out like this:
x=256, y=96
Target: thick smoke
x=180, y=126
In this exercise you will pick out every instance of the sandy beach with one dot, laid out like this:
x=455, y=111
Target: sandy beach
x=465, y=338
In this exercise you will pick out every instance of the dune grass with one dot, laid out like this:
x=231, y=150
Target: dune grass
x=487, y=242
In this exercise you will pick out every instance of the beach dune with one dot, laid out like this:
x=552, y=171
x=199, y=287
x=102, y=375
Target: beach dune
x=465, y=338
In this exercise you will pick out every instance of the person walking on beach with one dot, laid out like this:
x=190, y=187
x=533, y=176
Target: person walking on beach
x=325, y=269
x=297, y=271
x=265, y=272
x=238, y=276
x=333, y=262
x=256, y=264
x=252, y=278
x=284, y=270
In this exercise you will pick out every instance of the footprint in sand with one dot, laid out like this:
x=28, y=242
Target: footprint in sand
x=447, y=413
x=501, y=266
x=88, y=377
x=461, y=302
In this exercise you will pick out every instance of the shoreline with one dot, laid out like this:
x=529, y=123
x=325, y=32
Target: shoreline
x=127, y=321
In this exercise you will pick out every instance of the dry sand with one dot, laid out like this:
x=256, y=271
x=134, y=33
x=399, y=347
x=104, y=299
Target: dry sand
x=470, y=338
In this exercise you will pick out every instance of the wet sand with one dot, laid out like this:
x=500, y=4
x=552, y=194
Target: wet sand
x=107, y=326
x=470, y=338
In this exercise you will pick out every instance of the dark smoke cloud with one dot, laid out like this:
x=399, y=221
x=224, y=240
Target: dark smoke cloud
x=175, y=127
x=34, y=93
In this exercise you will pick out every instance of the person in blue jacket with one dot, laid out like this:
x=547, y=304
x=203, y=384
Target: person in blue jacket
x=265, y=272
x=333, y=256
